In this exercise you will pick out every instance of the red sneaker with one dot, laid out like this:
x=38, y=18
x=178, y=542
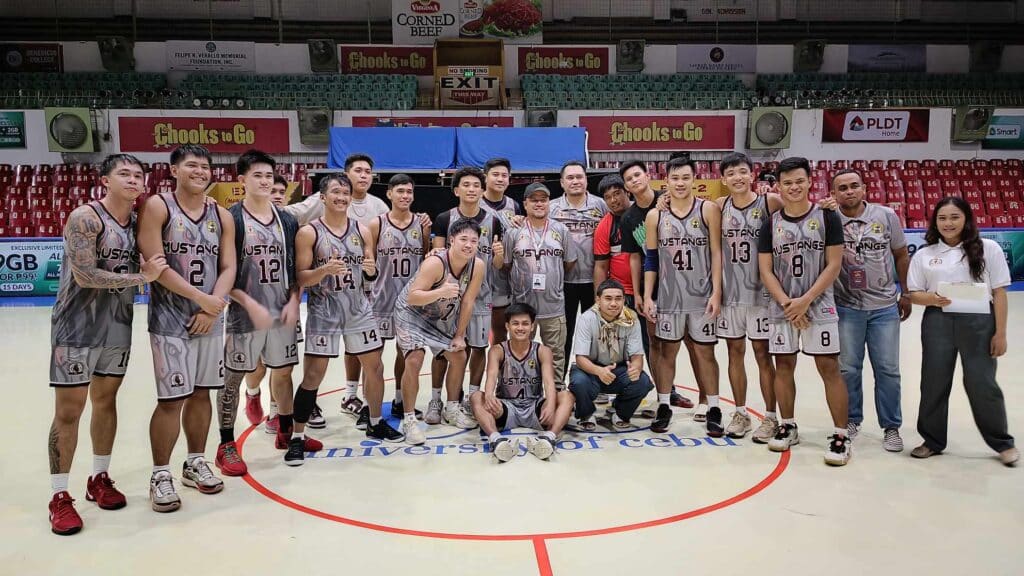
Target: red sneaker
x=253, y=408
x=63, y=518
x=100, y=489
x=228, y=460
x=312, y=444
x=273, y=425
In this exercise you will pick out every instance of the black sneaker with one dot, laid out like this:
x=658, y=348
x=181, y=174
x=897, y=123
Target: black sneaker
x=316, y=418
x=680, y=401
x=715, y=429
x=384, y=432
x=398, y=410
x=295, y=455
x=364, y=418
x=839, y=450
x=662, y=419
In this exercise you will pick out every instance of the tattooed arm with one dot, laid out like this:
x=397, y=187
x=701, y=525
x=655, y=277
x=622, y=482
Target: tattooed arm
x=80, y=236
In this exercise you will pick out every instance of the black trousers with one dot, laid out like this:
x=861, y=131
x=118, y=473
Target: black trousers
x=577, y=296
x=944, y=336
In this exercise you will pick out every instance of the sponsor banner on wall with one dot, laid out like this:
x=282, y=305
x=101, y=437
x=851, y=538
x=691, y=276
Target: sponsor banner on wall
x=1011, y=241
x=432, y=121
x=663, y=132
x=706, y=189
x=30, y=267
x=470, y=86
x=212, y=56
x=565, y=60
x=219, y=135
x=875, y=125
x=15, y=57
x=1005, y=133
x=716, y=58
x=887, y=58
x=718, y=11
x=362, y=59
x=227, y=194
x=423, y=21
x=12, y=129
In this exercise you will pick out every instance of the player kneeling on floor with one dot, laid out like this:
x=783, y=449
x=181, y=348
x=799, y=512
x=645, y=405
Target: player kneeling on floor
x=520, y=390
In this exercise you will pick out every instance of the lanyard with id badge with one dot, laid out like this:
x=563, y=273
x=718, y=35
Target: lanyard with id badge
x=858, y=271
x=538, y=282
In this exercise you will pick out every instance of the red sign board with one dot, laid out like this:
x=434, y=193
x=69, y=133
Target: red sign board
x=31, y=57
x=568, y=61
x=432, y=121
x=666, y=132
x=219, y=135
x=909, y=125
x=356, y=59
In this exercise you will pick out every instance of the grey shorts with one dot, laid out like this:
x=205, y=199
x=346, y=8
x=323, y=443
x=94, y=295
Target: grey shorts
x=673, y=327
x=183, y=364
x=817, y=340
x=385, y=327
x=277, y=347
x=743, y=322
x=520, y=416
x=71, y=366
x=478, y=334
x=329, y=345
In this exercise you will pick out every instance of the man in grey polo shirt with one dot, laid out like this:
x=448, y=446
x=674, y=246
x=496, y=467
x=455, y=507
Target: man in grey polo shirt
x=609, y=358
x=870, y=304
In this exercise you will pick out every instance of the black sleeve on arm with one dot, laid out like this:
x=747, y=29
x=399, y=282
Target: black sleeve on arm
x=290, y=226
x=629, y=224
x=833, y=229
x=764, y=241
x=440, y=226
x=236, y=215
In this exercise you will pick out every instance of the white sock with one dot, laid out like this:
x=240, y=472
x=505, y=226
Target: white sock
x=702, y=409
x=768, y=415
x=472, y=390
x=664, y=398
x=298, y=435
x=374, y=421
x=741, y=410
x=611, y=398
x=351, y=387
x=788, y=421
x=839, y=432
x=192, y=456
x=435, y=393
x=166, y=468
x=59, y=483
x=100, y=464
x=494, y=437
x=453, y=404
x=410, y=416
x=615, y=418
x=273, y=410
x=712, y=401
x=252, y=391
x=549, y=435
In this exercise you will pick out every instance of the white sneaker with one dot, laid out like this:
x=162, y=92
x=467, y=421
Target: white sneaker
x=838, y=451
x=505, y=449
x=162, y=494
x=785, y=437
x=892, y=441
x=738, y=426
x=197, y=474
x=701, y=413
x=540, y=446
x=454, y=415
x=766, y=431
x=413, y=434
x=433, y=415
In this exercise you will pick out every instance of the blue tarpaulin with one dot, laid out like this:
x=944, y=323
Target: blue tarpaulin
x=528, y=149
x=394, y=148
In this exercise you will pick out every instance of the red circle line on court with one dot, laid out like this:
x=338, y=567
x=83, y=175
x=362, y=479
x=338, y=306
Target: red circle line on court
x=774, y=475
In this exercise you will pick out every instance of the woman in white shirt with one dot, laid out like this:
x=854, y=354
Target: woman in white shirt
x=956, y=253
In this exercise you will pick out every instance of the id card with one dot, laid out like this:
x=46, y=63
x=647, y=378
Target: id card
x=539, y=282
x=858, y=278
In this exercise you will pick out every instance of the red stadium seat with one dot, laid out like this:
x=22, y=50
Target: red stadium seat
x=951, y=187
x=1014, y=207
x=877, y=165
x=1018, y=221
x=894, y=164
x=994, y=207
x=1002, y=221
x=917, y=224
x=916, y=211
x=911, y=164
x=929, y=163
x=982, y=220
x=977, y=206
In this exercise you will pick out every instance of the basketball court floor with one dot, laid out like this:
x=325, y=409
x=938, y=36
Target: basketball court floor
x=607, y=504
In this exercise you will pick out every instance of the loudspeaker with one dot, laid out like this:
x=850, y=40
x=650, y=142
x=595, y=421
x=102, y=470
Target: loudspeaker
x=630, y=57
x=69, y=130
x=769, y=128
x=314, y=125
x=542, y=118
x=117, y=53
x=323, y=56
x=986, y=57
x=970, y=123
x=808, y=55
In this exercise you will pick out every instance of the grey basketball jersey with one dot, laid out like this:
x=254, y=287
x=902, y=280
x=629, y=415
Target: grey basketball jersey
x=399, y=255
x=93, y=317
x=798, y=258
x=482, y=306
x=262, y=270
x=192, y=248
x=741, y=228
x=338, y=304
x=581, y=223
x=684, y=261
x=505, y=211
x=539, y=252
x=438, y=319
x=867, y=280
x=520, y=379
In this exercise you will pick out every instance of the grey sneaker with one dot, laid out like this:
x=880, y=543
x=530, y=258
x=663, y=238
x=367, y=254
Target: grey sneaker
x=540, y=446
x=413, y=434
x=766, y=431
x=504, y=449
x=892, y=441
x=434, y=409
x=162, y=494
x=853, y=429
x=454, y=415
x=197, y=474
x=738, y=426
